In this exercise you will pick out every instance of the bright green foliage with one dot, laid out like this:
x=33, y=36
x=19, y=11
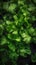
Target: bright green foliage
x=16, y=29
